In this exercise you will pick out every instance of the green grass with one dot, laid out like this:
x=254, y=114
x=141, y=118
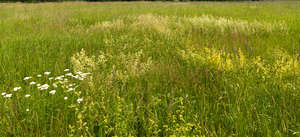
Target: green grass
x=157, y=69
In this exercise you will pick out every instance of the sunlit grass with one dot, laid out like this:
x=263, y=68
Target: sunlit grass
x=150, y=69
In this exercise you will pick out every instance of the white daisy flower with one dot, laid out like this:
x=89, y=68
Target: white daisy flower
x=26, y=78
x=76, y=76
x=47, y=73
x=54, y=85
x=43, y=87
x=52, y=92
x=32, y=83
x=38, y=85
x=83, y=75
x=27, y=95
x=65, y=98
x=70, y=89
x=8, y=96
x=3, y=93
x=59, y=77
x=67, y=70
x=27, y=110
x=17, y=88
x=65, y=79
x=79, y=100
x=39, y=75
x=69, y=74
x=51, y=78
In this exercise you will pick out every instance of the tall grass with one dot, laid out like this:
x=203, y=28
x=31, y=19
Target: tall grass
x=150, y=69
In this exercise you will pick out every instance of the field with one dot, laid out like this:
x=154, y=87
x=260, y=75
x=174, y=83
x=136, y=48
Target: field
x=150, y=69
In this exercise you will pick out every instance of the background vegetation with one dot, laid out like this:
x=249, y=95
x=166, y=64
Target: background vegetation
x=37, y=1
x=150, y=69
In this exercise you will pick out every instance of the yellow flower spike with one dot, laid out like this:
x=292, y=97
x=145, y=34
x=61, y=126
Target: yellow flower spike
x=79, y=116
x=181, y=100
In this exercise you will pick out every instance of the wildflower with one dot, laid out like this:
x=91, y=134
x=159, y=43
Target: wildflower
x=67, y=70
x=27, y=95
x=76, y=76
x=3, y=94
x=17, y=88
x=52, y=92
x=79, y=100
x=51, y=78
x=69, y=74
x=65, y=98
x=27, y=110
x=70, y=85
x=54, y=85
x=65, y=79
x=32, y=83
x=38, y=85
x=82, y=75
x=47, y=73
x=85, y=74
x=26, y=78
x=43, y=87
x=70, y=89
x=39, y=75
x=59, y=77
x=8, y=96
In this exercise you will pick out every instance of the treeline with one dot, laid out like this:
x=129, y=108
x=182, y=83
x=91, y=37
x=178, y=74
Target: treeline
x=35, y=1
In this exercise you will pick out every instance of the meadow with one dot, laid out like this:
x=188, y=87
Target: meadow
x=150, y=69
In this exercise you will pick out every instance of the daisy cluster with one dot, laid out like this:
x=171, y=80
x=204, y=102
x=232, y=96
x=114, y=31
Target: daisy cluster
x=67, y=82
